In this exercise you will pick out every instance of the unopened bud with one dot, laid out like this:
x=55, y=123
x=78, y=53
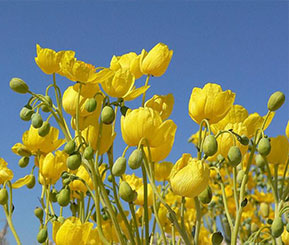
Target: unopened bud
x=119, y=166
x=217, y=238
x=38, y=213
x=44, y=107
x=73, y=161
x=275, y=101
x=88, y=153
x=23, y=162
x=69, y=148
x=18, y=85
x=36, y=120
x=90, y=105
x=42, y=235
x=126, y=192
x=3, y=196
x=206, y=196
x=135, y=159
x=210, y=145
x=277, y=227
x=234, y=156
x=107, y=115
x=63, y=198
x=264, y=146
x=31, y=183
x=26, y=114
x=44, y=129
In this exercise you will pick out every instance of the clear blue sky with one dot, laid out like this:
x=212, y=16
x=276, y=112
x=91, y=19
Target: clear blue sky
x=241, y=45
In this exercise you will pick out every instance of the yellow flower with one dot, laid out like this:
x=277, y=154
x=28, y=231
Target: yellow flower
x=51, y=167
x=93, y=238
x=279, y=150
x=71, y=231
x=121, y=85
x=5, y=173
x=48, y=60
x=70, y=97
x=144, y=123
x=156, y=61
x=163, y=104
x=46, y=144
x=210, y=102
x=189, y=176
x=163, y=170
x=287, y=130
x=129, y=61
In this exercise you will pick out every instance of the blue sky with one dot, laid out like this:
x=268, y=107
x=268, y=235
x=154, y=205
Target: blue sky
x=243, y=46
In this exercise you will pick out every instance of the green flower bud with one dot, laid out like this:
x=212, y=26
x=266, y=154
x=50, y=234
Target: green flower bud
x=260, y=161
x=23, y=162
x=26, y=114
x=234, y=156
x=119, y=166
x=240, y=176
x=69, y=148
x=53, y=195
x=38, y=213
x=264, y=146
x=264, y=209
x=206, y=196
x=109, y=178
x=217, y=238
x=88, y=153
x=277, y=227
x=42, y=235
x=244, y=140
x=126, y=192
x=18, y=85
x=275, y=101
x=31, y=183
x=3, y=196
x=45, y=107
x=135, y=159
x=23, y=152
x=44, y=129
x=254, y=227
x=107, y=115
x=63, y=198
x=210, y=145
x=90, y=105
x=73, y=161
x=66, y=181
x=36, y=120
x=123, y=110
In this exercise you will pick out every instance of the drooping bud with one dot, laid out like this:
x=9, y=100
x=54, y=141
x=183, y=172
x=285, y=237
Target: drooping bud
x=264, y=146
x=277, y=227
x=240, y=176
x=234, y=156
x=90, y=105
x=69, y=148
x=206, y=196
x=36, y=120
x=244, y=140
x=42, y=235
x=119, y=166
x=45, y=107
x=126, y=192
x=107, y=115
x=3, y=196
x=88, y=153
x=73, y=161
x=260, y=161
x=275, y=101
x=18, y=85
x=44, y=129
x=53, y=195
x=31, y=183
x=23, y=162
x=135, y=159
x=63, y=198
x=217, y=238
x=210, y=145
x=26, y=113
x=38, y=213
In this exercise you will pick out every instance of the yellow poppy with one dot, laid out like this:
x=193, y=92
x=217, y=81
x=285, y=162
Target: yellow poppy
x=5, y=173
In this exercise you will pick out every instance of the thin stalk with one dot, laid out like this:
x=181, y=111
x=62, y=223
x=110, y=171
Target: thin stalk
x=199, y=220
x=235, y=188
x=145, y=206
x=144, y=94
x=131, y=207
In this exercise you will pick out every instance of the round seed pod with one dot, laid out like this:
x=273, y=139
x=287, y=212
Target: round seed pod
x=264, y=146
x=23, y=162
x=119, y=166
x=88, y=153
x=135, y=159
x=107, y=115
x=38, y=213
x=36, y=120
x=206, y=196
x=277, y=227
x=69, y=148
x=63, y=198
x=210, y=145
x=275, y=101
x=18, y=85
x=26, y=114
x=234, y=156
x=44, y=129
x=125, y=192
x=217, y=238
x=90, y=105
x=42, y=235
x=73, y=161
x=31, y=183
x=3, y=196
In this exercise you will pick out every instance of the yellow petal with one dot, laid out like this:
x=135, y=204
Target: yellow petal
x=22, y=181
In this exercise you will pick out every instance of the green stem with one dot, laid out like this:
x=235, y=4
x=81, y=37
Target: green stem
x=198, y=224
x=183, y=212
x=10, y=223
x=145, y=206
x=144, y=94
x=131, y=207
x=235, y=188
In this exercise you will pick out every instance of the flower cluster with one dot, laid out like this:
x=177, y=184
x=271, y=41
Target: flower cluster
x=234, y=189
